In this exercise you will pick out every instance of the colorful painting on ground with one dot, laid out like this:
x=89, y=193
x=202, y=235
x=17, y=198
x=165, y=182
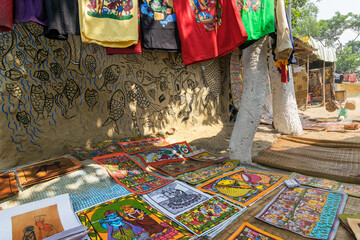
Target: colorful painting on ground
x=130, y=174
x=175, y=198
x=37, y=224
x=351, y=189
x=170, y=153
x=344, y=221
x=248, y=231
x=207, y=173
x=129, y=218
x=306, y=211
x=103, y=148
x=243, y=186
x=176, y=168
x=143, y=145
x=8, y=185
x=207, y=157
x=46, y=170
x=208, y=215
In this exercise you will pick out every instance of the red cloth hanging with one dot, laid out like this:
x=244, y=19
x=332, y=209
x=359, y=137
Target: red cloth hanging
x=284, y=74
x=6, y=16
x=208, y=29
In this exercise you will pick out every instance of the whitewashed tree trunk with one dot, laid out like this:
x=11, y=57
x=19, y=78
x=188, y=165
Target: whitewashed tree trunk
x=252, y=100
x=285, y=112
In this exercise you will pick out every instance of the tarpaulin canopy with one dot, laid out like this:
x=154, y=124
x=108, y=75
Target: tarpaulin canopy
x=327, y=54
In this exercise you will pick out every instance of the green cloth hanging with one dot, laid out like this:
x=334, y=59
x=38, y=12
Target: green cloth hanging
x=258, y=17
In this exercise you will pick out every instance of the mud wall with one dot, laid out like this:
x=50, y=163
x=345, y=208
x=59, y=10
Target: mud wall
x=54, y=93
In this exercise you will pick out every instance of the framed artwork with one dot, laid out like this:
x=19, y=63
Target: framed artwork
x=143, y=145
x=170, y=153
x=204, y=174
x=243, y=186
x=248, y=231
x=131, y=175
x=129, y=217
x=48, y=169
x=176, y=168
x=309, y=212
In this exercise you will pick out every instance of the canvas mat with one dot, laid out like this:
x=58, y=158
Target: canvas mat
x=336, y=160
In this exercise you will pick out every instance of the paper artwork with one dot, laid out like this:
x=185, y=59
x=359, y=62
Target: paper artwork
x=143, y=145
x=38, y=220
x=208, y=215
x=176, y=168
x=8, y=185
x=130, y=174
x=37, y=224
x=103, y=148
x=175, y=198
x=205, y=156
x=128, y=218
x=170, y=153
x=306, y=211
x=46, y=170
x=351, y=189
x=248, y=231
x=207, y=173
x=243, y=186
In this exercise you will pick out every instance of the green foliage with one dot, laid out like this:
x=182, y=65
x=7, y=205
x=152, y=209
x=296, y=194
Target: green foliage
x=349, y=60
x=304, y=22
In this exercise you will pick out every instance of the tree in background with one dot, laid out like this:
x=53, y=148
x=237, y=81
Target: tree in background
x=328, y=31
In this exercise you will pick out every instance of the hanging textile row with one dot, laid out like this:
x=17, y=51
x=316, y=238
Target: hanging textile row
x=200, y=29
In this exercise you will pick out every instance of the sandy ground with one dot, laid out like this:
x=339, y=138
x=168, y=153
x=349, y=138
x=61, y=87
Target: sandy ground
x=216, y=138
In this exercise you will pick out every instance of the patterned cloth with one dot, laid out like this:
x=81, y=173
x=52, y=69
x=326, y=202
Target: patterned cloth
x=86, y=187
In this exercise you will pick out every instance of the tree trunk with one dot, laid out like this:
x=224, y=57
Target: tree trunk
x=252, y=100
x=285, y=112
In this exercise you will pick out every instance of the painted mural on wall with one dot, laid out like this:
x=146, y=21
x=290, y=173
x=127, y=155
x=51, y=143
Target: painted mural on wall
x=67, y=87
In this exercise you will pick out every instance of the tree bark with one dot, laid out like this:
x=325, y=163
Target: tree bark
x=252, y=100
x=285, y=112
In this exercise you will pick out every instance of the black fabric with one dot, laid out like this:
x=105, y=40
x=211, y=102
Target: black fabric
x=63, y=16
x=158, y=34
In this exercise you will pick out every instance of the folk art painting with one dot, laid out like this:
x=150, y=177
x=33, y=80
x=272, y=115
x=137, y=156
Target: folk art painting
x=179, y=167
x=128, y=218
x=103, y=148
x=175, y=198
x=170, y=153
x=306, y=211
x=248, y=231
x=243, y=186
x=207, y=157
x=130, y=174
x=143, y=145
x=37, y=224
x=209, y=214
x=47, y=169
x=351, y=189
x=204, y=174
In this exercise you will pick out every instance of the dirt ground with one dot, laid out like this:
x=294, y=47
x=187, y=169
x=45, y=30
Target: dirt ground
x=216, y=138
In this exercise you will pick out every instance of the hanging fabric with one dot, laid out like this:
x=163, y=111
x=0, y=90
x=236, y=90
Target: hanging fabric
x=258, y=18
x=158, y=25
x=63, y=18
x=6, y=17
x=30, y=11
x=110, y=24
x=208, y=28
